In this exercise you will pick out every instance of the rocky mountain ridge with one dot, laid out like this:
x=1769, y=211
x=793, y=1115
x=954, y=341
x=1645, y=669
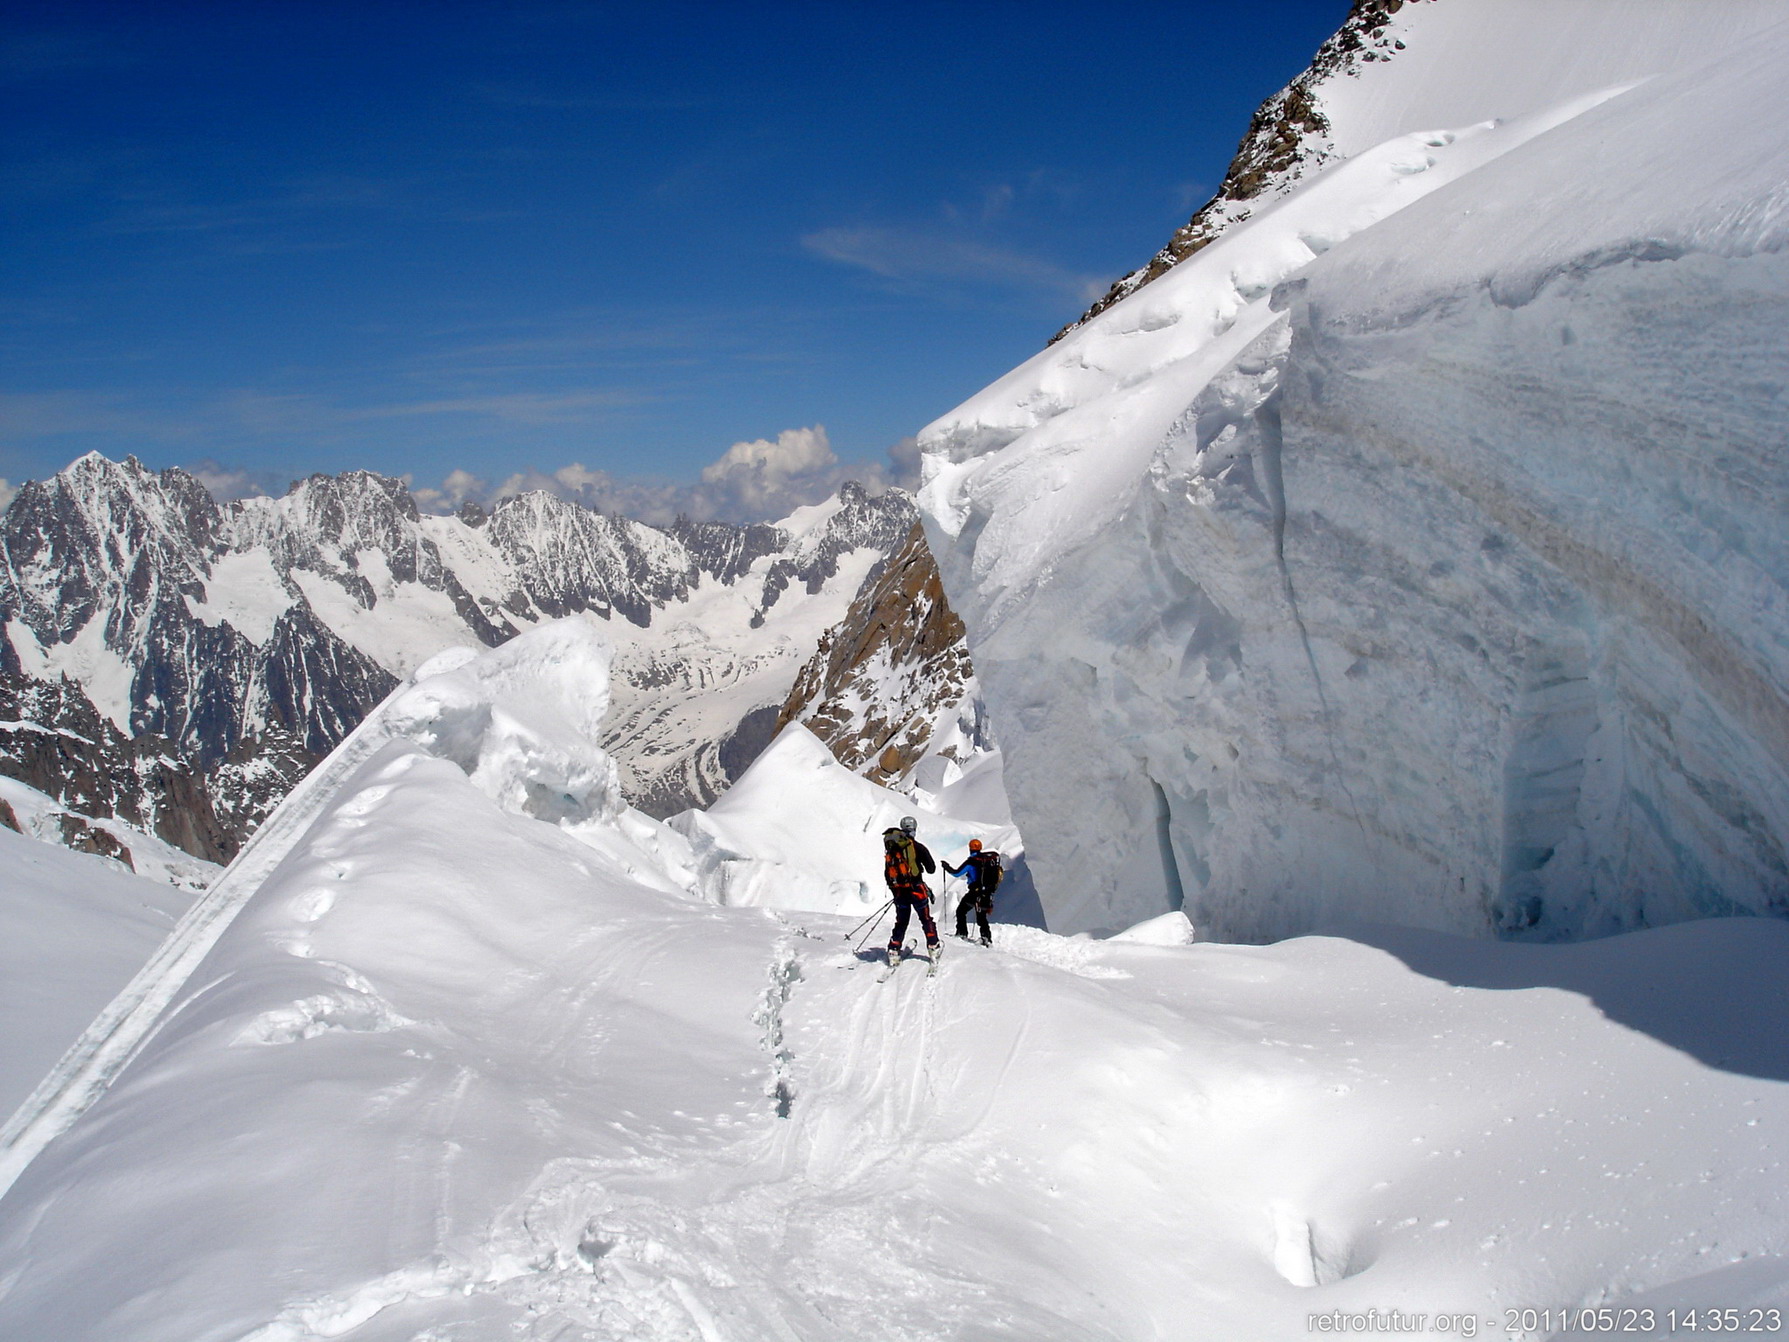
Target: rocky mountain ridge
x=1287, y=138
x=890, y=681
x=176, y=663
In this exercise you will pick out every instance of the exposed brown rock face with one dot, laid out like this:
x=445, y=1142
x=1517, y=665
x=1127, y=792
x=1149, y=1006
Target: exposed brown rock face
x=876, y=685
x=1286, y=137
x=84, y=838
x=52, y=738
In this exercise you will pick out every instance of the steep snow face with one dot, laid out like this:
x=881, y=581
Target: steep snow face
x=1414, y=551
x=1471, y=60
x=1397, y=66
x=471, y=1058
x=43, y=817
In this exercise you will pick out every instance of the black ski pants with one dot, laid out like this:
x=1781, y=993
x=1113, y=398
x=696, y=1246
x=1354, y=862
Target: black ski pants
x=983, y=903
x=909, y=899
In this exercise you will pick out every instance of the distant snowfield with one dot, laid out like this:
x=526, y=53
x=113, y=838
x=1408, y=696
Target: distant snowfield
x=477, y=1060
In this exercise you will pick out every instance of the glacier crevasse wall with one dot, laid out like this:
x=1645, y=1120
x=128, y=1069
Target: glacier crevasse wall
x=1434, y=574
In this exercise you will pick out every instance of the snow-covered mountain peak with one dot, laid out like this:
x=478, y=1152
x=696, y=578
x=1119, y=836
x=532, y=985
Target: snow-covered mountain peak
x=288, y=618
x=805, y=521
x=110, y=535
x=353, y=511
x=1397, y=67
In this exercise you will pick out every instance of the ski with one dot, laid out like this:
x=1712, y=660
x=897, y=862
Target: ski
x=894, y=963
x=934, y=955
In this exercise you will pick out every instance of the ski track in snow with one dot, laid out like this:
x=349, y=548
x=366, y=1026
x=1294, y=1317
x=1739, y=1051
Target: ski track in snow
x=837, y=1207
x=813, y=1221
x=631, y=1247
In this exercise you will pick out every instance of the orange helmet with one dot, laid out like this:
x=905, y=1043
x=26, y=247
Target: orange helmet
x=975, y=845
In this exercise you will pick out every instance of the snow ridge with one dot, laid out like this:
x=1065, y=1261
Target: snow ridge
x=119, y=1031
x=453, y=979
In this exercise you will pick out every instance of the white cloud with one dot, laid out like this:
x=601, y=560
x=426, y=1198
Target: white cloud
x=8, y=491
x=905, y=456
x=462, y=485
x=575, y=481
x=457, y=488
x=754, y=480
x=762, y=477
x=577, y=476
x=226, y=482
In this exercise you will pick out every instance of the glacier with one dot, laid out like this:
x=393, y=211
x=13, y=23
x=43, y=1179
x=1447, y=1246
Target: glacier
x=1414, y=551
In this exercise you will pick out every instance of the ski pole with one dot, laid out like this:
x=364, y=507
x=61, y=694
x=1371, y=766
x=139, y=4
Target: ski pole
x=872, y=932
x=873, y=918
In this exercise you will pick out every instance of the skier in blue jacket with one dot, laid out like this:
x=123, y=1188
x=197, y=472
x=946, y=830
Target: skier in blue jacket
x=983, y=872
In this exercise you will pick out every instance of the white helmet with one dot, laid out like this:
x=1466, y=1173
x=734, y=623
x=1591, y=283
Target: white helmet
x=908, y=824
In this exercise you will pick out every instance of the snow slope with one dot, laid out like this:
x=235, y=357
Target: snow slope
x=801, y=831
x=41, y=817
x=1472, y=60
x=468, y=1062
x=1414, y=551
x=73, y=929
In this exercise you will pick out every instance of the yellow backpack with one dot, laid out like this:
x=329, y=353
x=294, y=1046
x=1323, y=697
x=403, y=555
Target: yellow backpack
x=900, y=863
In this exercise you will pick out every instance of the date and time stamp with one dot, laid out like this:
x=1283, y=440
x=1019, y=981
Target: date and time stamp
x=1590, y=1321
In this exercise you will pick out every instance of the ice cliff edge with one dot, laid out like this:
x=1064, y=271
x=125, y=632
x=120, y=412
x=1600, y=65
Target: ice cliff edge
x=1414, y=551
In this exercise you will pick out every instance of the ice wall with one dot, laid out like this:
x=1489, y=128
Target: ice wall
x=1416, y=551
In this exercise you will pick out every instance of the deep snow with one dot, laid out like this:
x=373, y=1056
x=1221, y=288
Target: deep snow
x=801, y=831
x=476, y=1059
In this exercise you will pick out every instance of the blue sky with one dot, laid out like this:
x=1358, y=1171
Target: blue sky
x=587, y=245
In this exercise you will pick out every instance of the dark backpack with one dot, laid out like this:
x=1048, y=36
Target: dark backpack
x=900, y=862
x=989, y=871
